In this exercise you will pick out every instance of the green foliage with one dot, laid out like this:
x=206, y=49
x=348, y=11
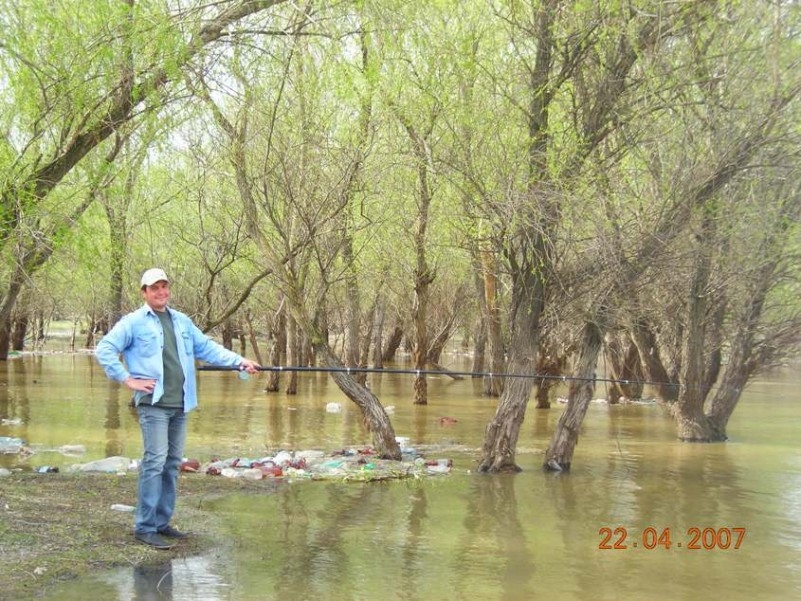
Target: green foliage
x=322, y=106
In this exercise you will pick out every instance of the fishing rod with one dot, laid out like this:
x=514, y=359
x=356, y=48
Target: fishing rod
x=431, y=372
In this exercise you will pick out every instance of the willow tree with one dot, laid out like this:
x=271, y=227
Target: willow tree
x=578, y=63
x=294, y=147
x=711, y=152
x=72, y=79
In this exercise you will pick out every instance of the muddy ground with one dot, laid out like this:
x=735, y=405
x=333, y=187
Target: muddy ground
x=60, y=526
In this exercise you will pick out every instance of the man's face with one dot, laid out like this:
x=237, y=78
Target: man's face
x=157, y=295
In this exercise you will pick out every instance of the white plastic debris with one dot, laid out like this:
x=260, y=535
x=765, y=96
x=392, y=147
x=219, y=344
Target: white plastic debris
x=253, y=473
x=310, y=454
x=282, y=458
x=109, y=465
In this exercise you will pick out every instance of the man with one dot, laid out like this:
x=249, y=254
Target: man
x=159, y=346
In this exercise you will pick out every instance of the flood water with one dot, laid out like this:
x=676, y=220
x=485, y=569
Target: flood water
x=459, y=536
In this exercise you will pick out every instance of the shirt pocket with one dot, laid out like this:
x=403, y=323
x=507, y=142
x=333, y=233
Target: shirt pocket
x=189, y=347
x=148, y=343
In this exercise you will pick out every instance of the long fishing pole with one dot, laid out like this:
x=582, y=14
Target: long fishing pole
x=431, y=372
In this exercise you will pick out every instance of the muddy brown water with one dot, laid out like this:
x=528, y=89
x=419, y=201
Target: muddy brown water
x=680, y=521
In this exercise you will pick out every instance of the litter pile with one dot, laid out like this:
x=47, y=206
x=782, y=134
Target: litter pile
x=350, y=464
x=358, y=465
x=355, y=465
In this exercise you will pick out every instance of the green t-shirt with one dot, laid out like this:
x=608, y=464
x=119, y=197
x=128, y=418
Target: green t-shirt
x=173, y=372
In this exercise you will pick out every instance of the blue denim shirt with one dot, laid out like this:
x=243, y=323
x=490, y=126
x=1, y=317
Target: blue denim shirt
x=139, y=338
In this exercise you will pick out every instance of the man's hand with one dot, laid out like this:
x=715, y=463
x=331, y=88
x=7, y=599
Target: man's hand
x=250, y=366
x=141, y=384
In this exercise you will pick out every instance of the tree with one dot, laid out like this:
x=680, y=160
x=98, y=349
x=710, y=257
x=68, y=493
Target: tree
x=65, y=98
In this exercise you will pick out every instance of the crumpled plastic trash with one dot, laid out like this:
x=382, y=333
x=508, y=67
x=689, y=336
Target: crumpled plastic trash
x=111, y=465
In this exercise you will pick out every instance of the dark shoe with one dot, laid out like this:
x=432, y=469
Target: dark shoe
x=153, y=539
x=172, y=532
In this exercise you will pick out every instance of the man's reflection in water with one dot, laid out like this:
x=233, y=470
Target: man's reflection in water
x=152, y=582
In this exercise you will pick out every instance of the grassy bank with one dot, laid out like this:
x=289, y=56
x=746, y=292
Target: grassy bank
x=60, y=526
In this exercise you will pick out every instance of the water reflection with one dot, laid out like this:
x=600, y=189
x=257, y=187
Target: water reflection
x=114, y=407
x=152, y=582
x=492, y=524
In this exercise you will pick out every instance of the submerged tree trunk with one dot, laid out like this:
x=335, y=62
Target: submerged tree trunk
x=688, y=410
x=502, y=432
x=742, y=362
x=653, y=367
x=551, y=363
x=375, y=417
x=294, y=354
x=559, y=455
x=279, y=348
x=625, y=369
x=19, y=332
x=528, y=251
x=392, y=345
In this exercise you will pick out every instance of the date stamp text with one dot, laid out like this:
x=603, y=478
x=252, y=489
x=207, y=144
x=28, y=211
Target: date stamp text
x=706, y=538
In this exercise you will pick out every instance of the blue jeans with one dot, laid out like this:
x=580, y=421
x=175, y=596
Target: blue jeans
x=163, y=436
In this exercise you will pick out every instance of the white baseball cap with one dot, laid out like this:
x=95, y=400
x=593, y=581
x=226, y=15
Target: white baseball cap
x=153, y=275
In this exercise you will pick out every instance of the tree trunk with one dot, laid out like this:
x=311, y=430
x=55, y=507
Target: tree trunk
x=493, y=387
x=293, y=355
x=254, y=343
x=279, y=349
x=117, y=217
x=5, y=337
x=625, y=368
x=559, y=455
x=688, y=410
x=741, y=364
x=393, y=344
x=479, y=346
x=378, y=334
x=228, y=334
x=20, y=329
x=353, y=309
x=375, y=417
x=366, y=342
x=420, y=351
x=725, y=400
x=500, y=438
x=7, y=309
x=549, y=363
x=480, y=327
x=653, y=367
